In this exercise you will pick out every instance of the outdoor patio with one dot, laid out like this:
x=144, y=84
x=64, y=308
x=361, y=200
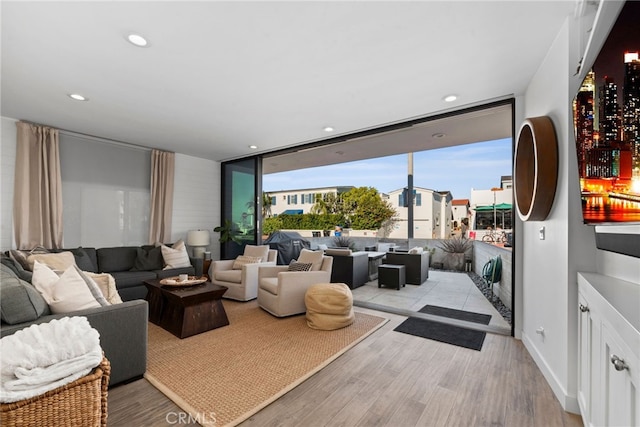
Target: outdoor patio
x=442, y=288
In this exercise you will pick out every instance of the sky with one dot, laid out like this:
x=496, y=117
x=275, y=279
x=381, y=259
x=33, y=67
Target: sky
x=455, y=169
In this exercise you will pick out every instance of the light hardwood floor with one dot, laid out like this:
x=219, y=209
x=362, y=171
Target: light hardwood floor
x=391, y=379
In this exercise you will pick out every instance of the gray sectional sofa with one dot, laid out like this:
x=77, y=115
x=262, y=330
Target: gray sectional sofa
x=122, y=327
x=130, y=266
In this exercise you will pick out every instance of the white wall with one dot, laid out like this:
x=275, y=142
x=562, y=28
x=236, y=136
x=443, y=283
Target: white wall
x=7, y=164
x=546, y=283
x=196, y=196
x=548, y=268
x=196, y=199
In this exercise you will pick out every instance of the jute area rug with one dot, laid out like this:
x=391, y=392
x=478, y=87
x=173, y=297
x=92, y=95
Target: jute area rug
x=224, y=376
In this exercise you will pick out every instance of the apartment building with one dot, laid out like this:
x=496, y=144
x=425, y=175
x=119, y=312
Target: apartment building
x=300, y=201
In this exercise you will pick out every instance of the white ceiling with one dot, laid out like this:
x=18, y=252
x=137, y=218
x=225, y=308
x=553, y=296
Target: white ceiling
x=220, y=76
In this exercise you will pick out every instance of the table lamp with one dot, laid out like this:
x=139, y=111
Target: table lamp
x=198, y=240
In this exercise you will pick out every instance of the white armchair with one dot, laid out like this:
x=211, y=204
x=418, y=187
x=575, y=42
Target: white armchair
x=242, y=281
x=281, y=292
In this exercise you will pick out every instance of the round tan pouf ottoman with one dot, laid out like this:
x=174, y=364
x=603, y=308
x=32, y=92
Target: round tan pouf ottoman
x=329, y=306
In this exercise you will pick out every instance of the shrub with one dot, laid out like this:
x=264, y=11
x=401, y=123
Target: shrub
x=343, y=242
x=457, y=245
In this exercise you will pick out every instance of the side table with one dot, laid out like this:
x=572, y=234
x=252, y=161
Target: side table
x=391, y=275
x=205, y=268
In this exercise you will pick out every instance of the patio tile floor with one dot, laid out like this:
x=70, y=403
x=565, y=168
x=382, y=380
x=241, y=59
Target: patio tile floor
x=442, y=288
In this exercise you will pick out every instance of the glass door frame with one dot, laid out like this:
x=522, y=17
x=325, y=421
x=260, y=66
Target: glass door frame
x=241, y=203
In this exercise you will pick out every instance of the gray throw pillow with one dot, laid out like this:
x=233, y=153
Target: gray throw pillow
x=16, y=267
x=83, y=261
x=300, y=266
x=20, y=301
x=148, y=259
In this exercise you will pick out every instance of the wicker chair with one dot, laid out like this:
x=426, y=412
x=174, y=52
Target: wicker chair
x=82, y=402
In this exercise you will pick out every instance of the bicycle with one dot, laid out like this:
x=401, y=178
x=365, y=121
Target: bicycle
x=495, y=236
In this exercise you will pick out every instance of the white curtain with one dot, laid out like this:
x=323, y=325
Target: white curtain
x=162, y=175
x=37, y=196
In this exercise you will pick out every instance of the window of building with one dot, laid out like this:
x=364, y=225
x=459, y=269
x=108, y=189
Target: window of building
x=273, y=200
x=417, y=198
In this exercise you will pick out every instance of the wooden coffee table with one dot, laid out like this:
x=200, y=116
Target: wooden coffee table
x=186, y=311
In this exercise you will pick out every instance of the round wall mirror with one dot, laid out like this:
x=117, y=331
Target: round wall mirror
x=535, y=168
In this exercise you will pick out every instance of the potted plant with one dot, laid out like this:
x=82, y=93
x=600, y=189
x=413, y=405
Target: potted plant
x=343, y=242
x=455, y=250
x=227, y=233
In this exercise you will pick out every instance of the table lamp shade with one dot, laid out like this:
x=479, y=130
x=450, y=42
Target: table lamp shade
x=198, y=240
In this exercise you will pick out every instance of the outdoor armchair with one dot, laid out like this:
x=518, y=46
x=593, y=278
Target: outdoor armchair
x=281, y=292
x=240, y=275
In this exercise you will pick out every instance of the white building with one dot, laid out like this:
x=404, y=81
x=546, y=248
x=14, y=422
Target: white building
x=460, y=211
x=432, y=216
x=300, y=201
x=484, y=215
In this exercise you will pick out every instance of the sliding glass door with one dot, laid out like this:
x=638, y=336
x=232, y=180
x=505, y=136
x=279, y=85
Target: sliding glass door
x=240, y=204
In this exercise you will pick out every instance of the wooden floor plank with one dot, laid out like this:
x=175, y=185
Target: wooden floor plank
x=392, y=379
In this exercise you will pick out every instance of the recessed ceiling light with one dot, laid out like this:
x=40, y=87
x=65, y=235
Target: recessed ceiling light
x=138, y=40
x=253, y=147
x=328, y=129
x=450, y=98
x=77, y=97
x=437, y=135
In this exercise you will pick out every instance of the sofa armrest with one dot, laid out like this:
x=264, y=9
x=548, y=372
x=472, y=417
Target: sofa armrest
x=250, y=271
x=123, y=335
x=270, y=270
x=294, y=284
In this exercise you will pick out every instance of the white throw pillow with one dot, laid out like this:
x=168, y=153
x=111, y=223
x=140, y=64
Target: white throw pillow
x=313, y=257
x=175, y=257
x=107, y=285
x=65, y=293
x=261, y=251
x=56, y=261
x=243, y=259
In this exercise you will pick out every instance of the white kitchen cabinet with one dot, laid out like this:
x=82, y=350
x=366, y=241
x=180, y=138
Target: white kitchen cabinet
x=608, y=350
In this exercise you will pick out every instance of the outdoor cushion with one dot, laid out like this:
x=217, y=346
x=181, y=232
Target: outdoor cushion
x=20, y=301
x=338, y=252
x=314, y=257
x=233, y=276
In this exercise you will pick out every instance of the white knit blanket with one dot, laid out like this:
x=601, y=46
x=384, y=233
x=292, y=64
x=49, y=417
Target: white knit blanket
x=43, y=357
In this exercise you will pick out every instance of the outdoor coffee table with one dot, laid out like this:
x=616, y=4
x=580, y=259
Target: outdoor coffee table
x=375, y=259
x=186, y=311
